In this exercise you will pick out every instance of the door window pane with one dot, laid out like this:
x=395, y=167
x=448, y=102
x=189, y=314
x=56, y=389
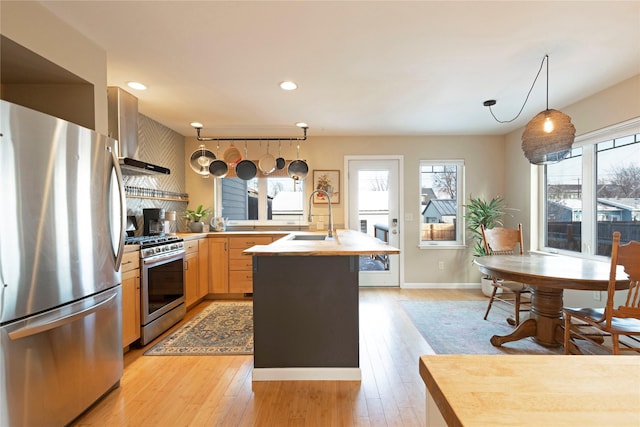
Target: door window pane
x=564, y=203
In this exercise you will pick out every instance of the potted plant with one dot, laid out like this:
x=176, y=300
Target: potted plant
x=196, y=224
x=479, y=212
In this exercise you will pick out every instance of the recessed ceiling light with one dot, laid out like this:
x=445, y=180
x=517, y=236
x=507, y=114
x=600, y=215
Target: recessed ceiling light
x=196, y=124
x=288, y=85
x=302, y=125
x=136, y=85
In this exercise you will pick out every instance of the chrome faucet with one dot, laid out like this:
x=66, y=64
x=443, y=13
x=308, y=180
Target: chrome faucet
x=330, y=232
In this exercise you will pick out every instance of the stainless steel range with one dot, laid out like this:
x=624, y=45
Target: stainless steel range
x=161, y=284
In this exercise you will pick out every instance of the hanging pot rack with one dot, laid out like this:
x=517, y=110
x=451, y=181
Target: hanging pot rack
x=206, y=138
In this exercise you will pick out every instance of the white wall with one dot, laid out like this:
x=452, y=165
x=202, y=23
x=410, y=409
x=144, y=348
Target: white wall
x=34, y=27
x=421, y=266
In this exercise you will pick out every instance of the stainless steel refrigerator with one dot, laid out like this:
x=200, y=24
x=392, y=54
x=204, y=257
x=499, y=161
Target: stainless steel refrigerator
x=62, y=219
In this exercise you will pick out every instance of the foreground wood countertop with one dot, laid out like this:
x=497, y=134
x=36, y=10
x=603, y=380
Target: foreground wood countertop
x=534, y=390
x=344, y=243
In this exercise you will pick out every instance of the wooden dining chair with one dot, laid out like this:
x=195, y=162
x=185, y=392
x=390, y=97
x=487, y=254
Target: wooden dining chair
x=506, y=241
x=604, y=327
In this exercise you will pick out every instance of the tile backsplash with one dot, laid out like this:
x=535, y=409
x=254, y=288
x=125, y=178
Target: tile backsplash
x=159, y=145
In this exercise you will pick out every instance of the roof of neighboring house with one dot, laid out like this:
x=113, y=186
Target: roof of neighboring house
x=576, y=204
x=623, y=203
x=444, y=207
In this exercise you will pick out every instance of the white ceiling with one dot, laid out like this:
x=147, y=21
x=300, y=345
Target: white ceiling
x=363, y=67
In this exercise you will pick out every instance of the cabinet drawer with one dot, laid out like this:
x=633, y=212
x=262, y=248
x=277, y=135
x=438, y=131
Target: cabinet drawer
x=240, y=281
x=244, y=264
x=247, y=242
x=130, y=261
x=191, y=246
x=236, y=253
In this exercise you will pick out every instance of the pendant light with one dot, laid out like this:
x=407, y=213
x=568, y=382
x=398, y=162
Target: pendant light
x=548, y=137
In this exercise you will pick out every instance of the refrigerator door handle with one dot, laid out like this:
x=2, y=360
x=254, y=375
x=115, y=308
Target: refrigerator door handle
x=46, y=324
x=123, y=213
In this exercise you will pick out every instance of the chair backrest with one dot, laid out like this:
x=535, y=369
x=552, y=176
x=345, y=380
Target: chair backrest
x=628, y=256
x=502, y=241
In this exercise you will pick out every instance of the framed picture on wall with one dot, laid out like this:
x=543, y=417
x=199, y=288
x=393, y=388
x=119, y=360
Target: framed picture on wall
x=329, y=181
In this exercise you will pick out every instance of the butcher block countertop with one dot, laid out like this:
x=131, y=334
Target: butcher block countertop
x=534, y=390
x=344, y=243
x=213, y=234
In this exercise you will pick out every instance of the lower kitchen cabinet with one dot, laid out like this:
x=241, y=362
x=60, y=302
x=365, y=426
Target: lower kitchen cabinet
x=230, y=271
x=203, y=268
x=130, y=298
x=196, y=271
x=218, y=268
x=191, y=272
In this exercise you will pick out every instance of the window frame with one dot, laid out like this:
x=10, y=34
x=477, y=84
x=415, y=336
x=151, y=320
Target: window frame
x=588, y=143
x=460, y=242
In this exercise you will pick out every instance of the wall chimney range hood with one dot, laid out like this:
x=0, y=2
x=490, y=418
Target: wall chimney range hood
x=123, y=126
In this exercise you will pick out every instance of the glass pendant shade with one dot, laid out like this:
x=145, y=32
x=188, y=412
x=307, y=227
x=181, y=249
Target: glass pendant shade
x=548, y=137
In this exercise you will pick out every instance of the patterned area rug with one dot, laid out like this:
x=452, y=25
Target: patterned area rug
x=457, y=327
x=222, y=328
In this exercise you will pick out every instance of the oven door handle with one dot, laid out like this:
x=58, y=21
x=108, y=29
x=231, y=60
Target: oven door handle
x=154, y=259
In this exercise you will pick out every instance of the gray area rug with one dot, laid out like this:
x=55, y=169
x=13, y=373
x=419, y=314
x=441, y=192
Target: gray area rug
x=222, y=328
x=457, y=327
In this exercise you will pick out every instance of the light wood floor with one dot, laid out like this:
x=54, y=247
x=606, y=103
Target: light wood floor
x=218, y=391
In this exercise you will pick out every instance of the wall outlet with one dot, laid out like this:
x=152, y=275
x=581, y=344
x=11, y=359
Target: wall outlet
x=320, y=225
x=408, y=217
x=596, y=295
x=440, y=265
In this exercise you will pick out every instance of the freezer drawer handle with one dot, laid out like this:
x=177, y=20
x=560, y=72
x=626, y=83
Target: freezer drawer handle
x=48, y=325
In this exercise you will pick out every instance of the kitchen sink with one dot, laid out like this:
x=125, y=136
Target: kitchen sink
x=309, y=237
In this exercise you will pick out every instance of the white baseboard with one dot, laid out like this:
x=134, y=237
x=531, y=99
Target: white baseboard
x=440, y=285
x=307, y=374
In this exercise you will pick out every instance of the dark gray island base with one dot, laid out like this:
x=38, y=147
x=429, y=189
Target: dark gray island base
x=305, y=312
x=305, y=306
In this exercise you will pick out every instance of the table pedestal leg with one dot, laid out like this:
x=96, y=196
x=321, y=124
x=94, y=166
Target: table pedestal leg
x=524, y=330
x=545, y=322
x=546, y=309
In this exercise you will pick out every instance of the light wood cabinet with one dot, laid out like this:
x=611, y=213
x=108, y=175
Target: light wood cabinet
x=196, y=270
x=230, y=271
x=218, y=265
x=191, y=272
x=241, y=265
x=130, y=298
x=203, y=268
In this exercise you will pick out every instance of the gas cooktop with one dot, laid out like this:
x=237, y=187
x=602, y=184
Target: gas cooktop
x=149, y=241
x=156, y=245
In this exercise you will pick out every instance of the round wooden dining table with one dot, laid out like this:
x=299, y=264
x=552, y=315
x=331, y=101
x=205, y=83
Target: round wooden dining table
x=547, y=276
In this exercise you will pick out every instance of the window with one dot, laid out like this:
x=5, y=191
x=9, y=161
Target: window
x=594, y=192
x=441, y=196
x=262, y=201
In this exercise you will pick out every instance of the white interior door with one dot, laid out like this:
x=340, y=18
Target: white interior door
x=374, y=208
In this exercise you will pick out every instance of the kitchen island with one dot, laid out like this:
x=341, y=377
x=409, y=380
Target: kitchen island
x=305, y=303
